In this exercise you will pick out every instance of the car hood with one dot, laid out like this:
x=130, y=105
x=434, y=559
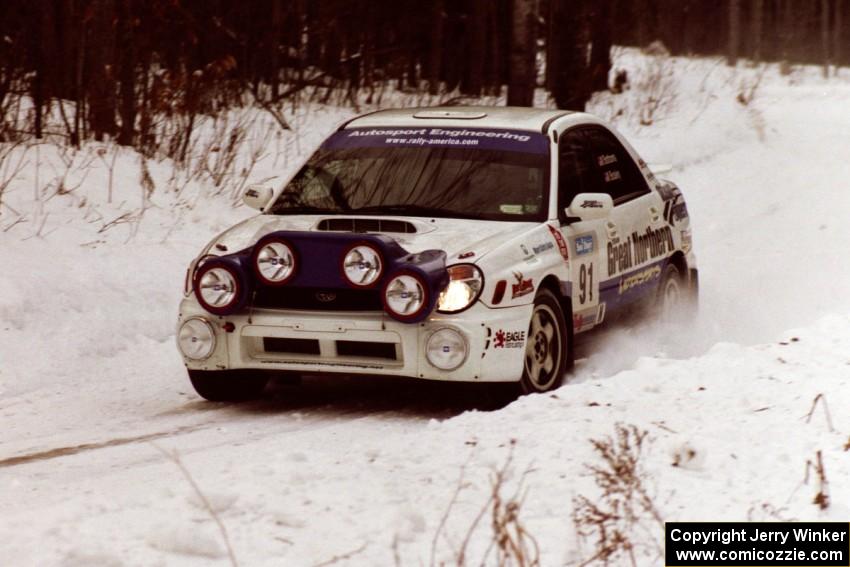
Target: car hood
x=454, y=236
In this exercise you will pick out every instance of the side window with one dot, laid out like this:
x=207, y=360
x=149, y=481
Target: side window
x=614, y=170
x=574, y=169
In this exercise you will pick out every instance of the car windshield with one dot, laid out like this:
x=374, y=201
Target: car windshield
x=435, y=172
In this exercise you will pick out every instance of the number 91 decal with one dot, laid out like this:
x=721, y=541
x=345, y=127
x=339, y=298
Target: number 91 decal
x=585, y=283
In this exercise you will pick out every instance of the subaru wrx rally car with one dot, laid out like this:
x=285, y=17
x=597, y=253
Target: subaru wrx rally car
x=458, y=243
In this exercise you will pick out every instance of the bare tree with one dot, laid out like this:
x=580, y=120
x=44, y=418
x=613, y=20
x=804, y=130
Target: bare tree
x=521, y=81
x=756, y=28
x=102, y=58
x=734, y=32
x=837, y=29
x=825, y=36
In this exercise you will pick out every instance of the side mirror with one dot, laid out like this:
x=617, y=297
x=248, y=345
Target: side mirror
x=257, y=196
x=590, y=206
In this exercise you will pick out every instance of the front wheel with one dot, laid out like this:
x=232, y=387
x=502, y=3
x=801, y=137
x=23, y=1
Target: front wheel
x=228, y=385
x=548, y=348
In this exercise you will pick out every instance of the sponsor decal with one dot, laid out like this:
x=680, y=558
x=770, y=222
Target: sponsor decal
x=591, y=203
x=522, y=286
x=612, y=176
x=638, y=248
x=559, y=240
x=471, y=138
x=252, y=193
x=584, y=244
x=465, y=255
x=540, y=248
x=687, y=241
x=668, y=191
x=583, y=320
x=509, y=339
x=640, y=278
x=527, y=257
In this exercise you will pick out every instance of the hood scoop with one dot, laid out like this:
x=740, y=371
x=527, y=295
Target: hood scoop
x=366, y=225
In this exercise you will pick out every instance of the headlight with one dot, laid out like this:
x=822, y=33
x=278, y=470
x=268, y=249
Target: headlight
x=274, y=262
x=446, y=349
x=405, y=296
x=465, y=285
x=217, y=288
x=196, y=339
x=362, y=266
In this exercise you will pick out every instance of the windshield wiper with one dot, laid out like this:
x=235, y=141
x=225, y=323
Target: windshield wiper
x=413, y=210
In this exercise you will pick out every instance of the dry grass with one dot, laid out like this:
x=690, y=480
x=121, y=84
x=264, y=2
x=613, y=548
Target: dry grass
x=623, y=505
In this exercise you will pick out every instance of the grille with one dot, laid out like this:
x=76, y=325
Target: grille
x=317, y=299
x=366, y=349
x=366, y=225
x=291, y=346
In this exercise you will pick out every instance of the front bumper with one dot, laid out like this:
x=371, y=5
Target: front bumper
x=370, y=343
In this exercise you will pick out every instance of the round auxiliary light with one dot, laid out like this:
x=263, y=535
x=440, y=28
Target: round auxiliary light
x=362, y=266
x=446, y=349
x=196, y=339
x=405, y=296
x=217, y=288
x=274, y=262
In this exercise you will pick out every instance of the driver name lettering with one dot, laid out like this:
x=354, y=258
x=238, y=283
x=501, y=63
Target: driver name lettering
x=639, y=248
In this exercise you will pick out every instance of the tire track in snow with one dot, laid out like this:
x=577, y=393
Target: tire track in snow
x=75, y=449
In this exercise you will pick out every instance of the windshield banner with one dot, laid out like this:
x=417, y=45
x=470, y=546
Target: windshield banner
x=463, y=138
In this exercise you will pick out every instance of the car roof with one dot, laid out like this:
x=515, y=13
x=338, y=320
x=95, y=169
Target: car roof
x=508, y=117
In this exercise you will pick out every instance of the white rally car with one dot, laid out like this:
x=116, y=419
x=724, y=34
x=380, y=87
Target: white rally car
x=458, y=243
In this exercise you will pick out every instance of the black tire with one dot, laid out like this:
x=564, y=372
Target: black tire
x=549, y=345
x=675, y=302
x=228, y=385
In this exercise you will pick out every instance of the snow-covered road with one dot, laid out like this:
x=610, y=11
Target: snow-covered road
x=92, y=390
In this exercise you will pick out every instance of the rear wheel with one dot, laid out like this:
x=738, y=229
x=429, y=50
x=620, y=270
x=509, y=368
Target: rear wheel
x=677, y=301
x=548, y=348
x=228, y=385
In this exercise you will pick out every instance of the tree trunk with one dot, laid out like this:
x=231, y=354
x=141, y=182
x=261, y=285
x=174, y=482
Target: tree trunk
x=435, y=57
x=600, y=54
x=101, y=80
x=837, y=25
x=756, y=27
x=477, y=42
x=275, y=42
x=825, y=35
x=521, y=81
x=127, y=73
x=571, y=86
x=789, y=30
x=734, y=32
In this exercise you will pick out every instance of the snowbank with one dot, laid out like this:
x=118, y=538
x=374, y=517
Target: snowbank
x=363, y=472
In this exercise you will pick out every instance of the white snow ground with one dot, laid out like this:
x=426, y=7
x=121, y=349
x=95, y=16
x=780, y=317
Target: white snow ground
x=362, y=472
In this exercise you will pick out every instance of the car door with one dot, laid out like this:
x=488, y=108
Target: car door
x=585, y=239
x=631, y=270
